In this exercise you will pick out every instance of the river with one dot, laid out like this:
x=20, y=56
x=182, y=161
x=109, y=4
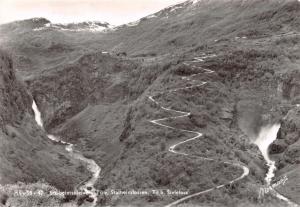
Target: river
x=92, y=166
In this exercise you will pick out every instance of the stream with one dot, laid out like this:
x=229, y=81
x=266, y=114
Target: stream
x=266, y=137
x=88, y=186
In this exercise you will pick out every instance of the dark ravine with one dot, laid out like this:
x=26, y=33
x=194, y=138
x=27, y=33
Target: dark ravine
x=26, y=154
x=88, y=186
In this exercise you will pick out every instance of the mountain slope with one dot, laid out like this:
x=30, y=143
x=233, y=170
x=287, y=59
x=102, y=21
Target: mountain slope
x=194, y=25
x=27, y=155
x=100, y=101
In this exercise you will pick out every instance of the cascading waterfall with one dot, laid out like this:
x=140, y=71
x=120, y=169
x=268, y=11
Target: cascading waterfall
x=266, y=137
x=37, y=115
x=88, y=186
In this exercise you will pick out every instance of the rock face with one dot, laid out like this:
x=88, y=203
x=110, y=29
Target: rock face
x=290, y=138
x=15, y=100
x=278, y=146
x=288, y=158
x=26, y=154
x=291, y=87
x=93, y=79
x=249, y=117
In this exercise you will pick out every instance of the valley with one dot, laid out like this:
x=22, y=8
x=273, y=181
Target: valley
x=201, y=97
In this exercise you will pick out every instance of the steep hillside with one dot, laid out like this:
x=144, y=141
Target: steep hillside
x=27, y=155
x=234, y=65
x=88, y=102
x=36, y=44
x=199, y=24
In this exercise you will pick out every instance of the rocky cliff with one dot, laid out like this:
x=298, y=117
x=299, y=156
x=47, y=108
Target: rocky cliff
x=27, y=155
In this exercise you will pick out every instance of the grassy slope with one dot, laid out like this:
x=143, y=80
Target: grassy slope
x=201, y=24
x=246, y=69
x=251, y=69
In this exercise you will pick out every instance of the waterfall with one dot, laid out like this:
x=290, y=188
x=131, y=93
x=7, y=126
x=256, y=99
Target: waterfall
x=266, y=137
x=92, y=166
x=37, y=115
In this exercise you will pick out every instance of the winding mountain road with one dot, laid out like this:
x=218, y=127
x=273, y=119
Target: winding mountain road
x=197, y=134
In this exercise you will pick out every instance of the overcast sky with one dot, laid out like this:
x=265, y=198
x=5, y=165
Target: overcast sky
x=113, y=11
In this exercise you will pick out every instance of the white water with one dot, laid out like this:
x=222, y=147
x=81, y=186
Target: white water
x=88, y=186
x=37, y=115
x=266, y=137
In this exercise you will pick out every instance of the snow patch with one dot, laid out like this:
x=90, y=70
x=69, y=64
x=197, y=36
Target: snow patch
x=174, y=8
x=151, y=16
x=195, y=1
x=133, y=24
x=77, y=27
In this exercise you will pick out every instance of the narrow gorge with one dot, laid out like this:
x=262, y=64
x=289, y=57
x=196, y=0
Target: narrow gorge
x=87, y=186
